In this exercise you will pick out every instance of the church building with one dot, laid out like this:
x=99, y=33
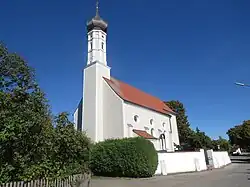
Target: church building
x=111, y=108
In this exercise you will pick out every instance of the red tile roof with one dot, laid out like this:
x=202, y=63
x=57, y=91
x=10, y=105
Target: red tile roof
x=143, y=134
x=138, y=97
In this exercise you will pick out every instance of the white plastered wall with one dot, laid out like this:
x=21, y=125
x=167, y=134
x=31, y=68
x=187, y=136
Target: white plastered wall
x=143, y=123
x=179, y=162
x=93, y=100
x=113, y=113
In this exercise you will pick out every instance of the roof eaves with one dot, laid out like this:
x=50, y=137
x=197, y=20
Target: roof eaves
x=150, y=136
x=148, y=108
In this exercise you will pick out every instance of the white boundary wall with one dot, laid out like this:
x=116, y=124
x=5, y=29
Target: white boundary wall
x=220, y=158
x=179, y=162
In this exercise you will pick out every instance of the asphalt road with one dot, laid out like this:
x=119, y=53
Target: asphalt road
x=234, y=175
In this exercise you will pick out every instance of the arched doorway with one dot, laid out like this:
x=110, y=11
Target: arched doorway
x=163, y=141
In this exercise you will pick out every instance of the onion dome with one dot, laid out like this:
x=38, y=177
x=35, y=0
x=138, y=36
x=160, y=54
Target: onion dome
x=97, y=22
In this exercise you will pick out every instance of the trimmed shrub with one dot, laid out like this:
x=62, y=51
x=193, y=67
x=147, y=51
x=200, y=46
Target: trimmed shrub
x=128, y=157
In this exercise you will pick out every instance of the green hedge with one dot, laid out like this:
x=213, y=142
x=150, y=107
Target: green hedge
x=128, y=157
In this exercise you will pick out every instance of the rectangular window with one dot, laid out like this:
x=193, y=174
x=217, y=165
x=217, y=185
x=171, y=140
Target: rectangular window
x=102, y=45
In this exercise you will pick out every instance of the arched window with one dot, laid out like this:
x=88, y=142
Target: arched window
x=151, y=121
x=163, y=124
x=152, y=132
x=136, y=118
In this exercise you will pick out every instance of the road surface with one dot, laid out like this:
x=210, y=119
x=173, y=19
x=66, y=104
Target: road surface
x=234, y=175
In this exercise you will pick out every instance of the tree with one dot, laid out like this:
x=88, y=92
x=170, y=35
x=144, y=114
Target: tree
x=71, y=148
x=184, y=129
x=31, y=148
x=221, y=144
x=199, y=139
x=189, y=139
x=240, y=134
x=24, y=116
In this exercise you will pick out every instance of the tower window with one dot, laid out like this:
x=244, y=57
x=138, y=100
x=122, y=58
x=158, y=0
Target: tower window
x=91, y=45
x=102, y=45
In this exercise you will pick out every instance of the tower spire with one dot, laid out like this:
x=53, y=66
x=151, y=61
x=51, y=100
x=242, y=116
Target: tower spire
x=97, y=8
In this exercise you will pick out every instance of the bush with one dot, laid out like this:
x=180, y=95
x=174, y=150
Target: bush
x=128, y=157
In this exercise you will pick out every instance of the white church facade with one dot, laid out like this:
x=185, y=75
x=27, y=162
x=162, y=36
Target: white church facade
x=113, y=109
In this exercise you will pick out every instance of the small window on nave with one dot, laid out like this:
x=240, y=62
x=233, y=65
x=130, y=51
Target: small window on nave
x=136, y=118
x=163, y=124
x=151, y=122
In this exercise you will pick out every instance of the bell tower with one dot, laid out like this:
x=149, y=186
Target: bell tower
x=96, y=69
x=97, y=34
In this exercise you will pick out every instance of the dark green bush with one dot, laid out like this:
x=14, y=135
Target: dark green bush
x=128, y=157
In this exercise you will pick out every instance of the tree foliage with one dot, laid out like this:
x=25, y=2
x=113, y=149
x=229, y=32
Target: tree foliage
x=240, y=134
x=128, y=157
x=189, y=139
x=184, y=129
x=199, y=139
x=221, y=144
x=74, y=145
x=24, y=116
x=30, y=146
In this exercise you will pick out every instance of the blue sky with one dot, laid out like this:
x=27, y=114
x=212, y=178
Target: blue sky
x=190, y=50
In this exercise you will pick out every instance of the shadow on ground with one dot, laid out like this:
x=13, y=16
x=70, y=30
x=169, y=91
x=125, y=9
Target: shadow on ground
x=240, y=159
